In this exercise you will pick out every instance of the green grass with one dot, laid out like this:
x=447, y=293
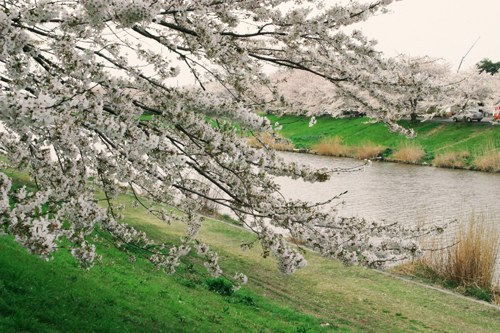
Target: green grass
x=36, y=296
x=56, y=296
x=117, y=296
x=433, y=137
x=426, y=274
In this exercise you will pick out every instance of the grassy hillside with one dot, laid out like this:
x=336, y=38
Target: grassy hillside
x=36, y=296
x=118, y=296
x=435, y=138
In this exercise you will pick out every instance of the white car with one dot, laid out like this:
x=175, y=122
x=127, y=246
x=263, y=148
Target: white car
x=468, y=115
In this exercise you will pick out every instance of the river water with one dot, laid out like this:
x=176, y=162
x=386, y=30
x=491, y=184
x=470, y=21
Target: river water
x=399, y=192
x=403, y=193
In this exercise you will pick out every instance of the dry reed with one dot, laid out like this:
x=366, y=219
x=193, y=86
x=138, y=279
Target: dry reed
x=409, y=152
x=209, y=207
x=296, y=241
x=275, y=141
x=487, y=156
x=334, y=146
x=331, y=146
x=471, y=261
x=368, y=151
x=206, y=205
x=452, y=160
x=488, y=162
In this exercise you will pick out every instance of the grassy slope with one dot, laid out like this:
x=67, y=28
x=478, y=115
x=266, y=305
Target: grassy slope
x=434, y=137
x=352, y=298
x=37, y=296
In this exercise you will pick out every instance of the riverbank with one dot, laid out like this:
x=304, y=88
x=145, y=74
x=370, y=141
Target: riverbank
x=119, y=296
x=451, y=145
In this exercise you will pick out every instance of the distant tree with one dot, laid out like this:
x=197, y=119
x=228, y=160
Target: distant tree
x=409, y=86
x=471, y=88
x=419, y=83
x=488, y=66
x=306, y=92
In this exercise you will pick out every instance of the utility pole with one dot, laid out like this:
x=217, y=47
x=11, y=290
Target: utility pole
x=467, y=54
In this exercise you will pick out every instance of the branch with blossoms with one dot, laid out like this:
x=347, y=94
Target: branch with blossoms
x=73, y=103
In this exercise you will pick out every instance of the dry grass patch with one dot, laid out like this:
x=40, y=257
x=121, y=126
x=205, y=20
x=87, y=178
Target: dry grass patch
x=452, y=160
x=275, y=141
x=209, y=207
x=296, y=241
x=409, y=152
x=465, y=259
x=331, y=146
x=488, y=162
x=368, y=151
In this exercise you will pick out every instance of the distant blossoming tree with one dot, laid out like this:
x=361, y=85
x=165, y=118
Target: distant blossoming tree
x=475, y=90
x=77, y=78
x=420, y=84
x=307, y=93
x=406, y=85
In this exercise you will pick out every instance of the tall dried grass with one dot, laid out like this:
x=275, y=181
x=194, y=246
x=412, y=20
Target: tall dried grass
x=275, y=141
x=331, y=146
x=209, y=207
x=334, y=146
x=487, y=156
x=488, y=162
x=206, y=191
x=409, y=152
x=368, y=151
x=452, y=159
x=470, y=262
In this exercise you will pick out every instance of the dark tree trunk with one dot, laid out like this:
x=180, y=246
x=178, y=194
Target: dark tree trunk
x=413, y=116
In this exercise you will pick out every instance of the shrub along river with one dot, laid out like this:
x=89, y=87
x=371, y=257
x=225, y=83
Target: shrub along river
x=399, y=192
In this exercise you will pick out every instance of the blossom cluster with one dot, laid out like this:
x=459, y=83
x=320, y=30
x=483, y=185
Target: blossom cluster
x=91, y=113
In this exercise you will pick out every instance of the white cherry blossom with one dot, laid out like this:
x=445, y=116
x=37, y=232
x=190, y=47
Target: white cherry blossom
x=89, y=111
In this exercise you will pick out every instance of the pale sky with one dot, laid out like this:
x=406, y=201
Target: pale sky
x=439, y=28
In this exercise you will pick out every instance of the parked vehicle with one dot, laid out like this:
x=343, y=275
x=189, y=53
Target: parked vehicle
x=468, y=116
x=496, y=114
x=353, y=113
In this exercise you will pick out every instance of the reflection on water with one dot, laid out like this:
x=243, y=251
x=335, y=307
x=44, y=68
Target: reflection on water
x=399, y=192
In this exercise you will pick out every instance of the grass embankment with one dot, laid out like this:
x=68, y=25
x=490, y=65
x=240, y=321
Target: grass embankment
x=455, y=145
x=120, y=296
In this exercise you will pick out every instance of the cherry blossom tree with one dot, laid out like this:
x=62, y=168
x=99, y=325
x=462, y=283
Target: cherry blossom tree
x=78, y=77
x=307, y=93
x=420, y=84
x=406, y=85
x=472, y=88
